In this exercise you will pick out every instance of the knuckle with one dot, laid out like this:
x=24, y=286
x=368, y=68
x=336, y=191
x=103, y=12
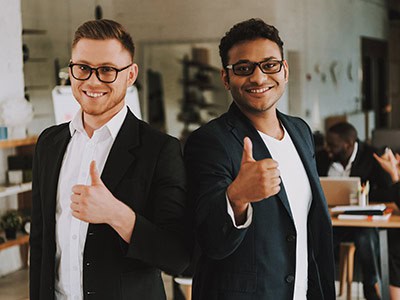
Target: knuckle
x=263, y=176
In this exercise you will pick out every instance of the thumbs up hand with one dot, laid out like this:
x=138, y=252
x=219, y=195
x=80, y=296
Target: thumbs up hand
x=92, y=203
x=255, y=181
x=94, y=174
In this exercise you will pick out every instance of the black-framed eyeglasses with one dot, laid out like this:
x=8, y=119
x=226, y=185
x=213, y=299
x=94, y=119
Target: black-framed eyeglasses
x=105, y=74
x=246, y=68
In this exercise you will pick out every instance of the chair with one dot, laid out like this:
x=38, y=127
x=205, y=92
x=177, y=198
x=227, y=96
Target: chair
x=346, y=267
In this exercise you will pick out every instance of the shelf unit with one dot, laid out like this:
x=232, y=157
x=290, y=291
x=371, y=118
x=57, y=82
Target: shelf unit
x=197, y=78
x=15, y=189
x=20, y=240
x=18, y=142
x=23, y=146
x=39, y=70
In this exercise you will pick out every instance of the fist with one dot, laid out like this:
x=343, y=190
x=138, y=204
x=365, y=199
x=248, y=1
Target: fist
x=256, y=180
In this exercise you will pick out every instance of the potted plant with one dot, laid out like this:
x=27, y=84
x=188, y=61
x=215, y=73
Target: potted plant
x=11, y=221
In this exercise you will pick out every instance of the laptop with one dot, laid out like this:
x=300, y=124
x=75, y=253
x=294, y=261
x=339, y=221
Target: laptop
x=337, y=190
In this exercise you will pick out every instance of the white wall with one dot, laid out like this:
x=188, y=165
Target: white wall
x=11, y=77
x=324, y=34
x=317, y=35
x=11, y=87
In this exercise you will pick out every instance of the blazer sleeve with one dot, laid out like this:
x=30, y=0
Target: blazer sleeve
x=36, y=234
x=159, y=240
x=380, y=181
x=210, y=171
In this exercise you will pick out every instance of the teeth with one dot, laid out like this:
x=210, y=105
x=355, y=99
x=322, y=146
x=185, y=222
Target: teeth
x=259, y=90
x=94, y=95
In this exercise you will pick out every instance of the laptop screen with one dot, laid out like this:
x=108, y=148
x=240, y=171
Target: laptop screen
x=337, y=190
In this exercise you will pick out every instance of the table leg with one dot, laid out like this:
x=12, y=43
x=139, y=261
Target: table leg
x=383, y=247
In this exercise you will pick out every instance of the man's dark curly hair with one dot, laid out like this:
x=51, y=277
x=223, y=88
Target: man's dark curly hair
x=345, y=131
x=249, y=30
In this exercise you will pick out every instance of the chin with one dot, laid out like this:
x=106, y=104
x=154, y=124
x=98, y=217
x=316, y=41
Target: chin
x=261, y=108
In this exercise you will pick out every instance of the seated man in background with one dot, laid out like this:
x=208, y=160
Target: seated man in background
x=346, y=156
x=391, y=164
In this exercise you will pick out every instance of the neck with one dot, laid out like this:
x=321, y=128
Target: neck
x=92, y=123
x=345, y=162
x=267, y=122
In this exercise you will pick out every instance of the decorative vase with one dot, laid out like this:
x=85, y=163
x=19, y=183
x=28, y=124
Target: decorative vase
x=11, y=233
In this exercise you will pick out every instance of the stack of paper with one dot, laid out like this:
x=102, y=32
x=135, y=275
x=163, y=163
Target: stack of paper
x=368, y=212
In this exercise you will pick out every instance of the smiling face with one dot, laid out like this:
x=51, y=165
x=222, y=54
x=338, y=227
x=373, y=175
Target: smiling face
x=257, y=93
x=101, y=101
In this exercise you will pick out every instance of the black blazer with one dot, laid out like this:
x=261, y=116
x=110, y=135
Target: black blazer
x=364, y=166
x=257, y=262
x=144, y=170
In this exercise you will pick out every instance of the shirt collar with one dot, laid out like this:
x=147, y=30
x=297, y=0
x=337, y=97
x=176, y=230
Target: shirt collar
x=114, y=125
x=353, y=155
x=345, y=170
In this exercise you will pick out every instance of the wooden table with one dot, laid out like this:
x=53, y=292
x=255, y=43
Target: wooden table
x=382, y=226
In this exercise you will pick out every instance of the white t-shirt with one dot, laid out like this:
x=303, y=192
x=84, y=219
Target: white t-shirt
x=298, y=190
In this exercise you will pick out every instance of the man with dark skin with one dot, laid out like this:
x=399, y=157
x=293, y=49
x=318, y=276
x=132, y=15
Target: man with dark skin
x=261, y=219
x=346, y=156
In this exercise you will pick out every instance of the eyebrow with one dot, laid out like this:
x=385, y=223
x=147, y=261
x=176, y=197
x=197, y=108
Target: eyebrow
x=247, y=60
x=106, y=64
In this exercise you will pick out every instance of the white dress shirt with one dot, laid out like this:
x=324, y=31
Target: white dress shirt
x=336, y=169
x=71, y=232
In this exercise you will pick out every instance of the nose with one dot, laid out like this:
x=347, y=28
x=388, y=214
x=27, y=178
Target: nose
x=258, y=76
x=93, y=79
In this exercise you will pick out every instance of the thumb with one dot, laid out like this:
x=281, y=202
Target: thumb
x=247, y=151
x=378, y=158
x=94, y=174
x=397, y=156
x=391, y=157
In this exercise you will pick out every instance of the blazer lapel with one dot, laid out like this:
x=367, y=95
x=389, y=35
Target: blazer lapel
x=54, y=157
x=242, y=127
x=121, y=155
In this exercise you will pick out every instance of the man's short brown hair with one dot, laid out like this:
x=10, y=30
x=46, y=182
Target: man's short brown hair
x=103, y=30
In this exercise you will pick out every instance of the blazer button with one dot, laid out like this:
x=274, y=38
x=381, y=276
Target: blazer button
x=289, y=278
x=290, y=238
x=90, y=293
x=88, y=264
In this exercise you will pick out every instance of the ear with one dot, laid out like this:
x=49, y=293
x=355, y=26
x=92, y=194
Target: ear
x=225, y=79
x=286, y=70
x=349, y=145
x=132, y=74
x=70, y=73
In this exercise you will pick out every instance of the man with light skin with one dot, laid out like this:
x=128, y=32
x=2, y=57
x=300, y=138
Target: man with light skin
x=261, y=218
x=108, y=190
